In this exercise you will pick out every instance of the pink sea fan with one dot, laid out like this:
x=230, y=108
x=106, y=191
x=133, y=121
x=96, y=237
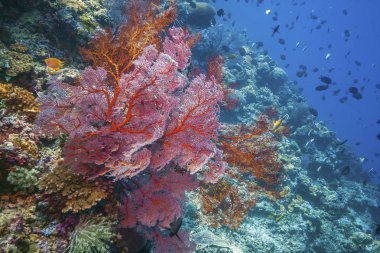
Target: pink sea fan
x=193, y=126
x=176, y=46
x=159, y=200
x=151, y=117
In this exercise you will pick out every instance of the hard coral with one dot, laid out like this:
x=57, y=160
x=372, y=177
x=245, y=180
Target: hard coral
x=76, y=192
x=17, y=142
x=21, y=229
x=24, y=180
x=17, y=99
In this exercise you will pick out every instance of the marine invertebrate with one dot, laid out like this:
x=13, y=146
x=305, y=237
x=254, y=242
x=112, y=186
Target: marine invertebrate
x=21, y=227
x=72, y=191
x=224, y=204
x=16, y=60
x=123, y=127
x=17, y=99
x=17, y=142
x=254, y=151
x=158, y=201
x=92, y=234
x=116, y=54
x=24, y=180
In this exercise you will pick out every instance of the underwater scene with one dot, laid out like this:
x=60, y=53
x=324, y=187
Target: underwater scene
x=207, y=126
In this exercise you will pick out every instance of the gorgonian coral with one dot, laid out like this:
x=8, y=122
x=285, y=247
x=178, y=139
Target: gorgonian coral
x=152, y=116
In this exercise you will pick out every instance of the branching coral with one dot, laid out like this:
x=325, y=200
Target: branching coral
x=159, y=200
x=254, y=150
x=252, y=153
x=73, y=191
x=116, y=54
x=154, y=115
x=17, y=99
x=225, y=204
x=92, y=234
x=24, y=180
x=18, y=144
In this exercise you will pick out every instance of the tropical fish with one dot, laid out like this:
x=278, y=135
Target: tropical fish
x=321, y=87
x=325, y=79
x=53, y=65
x=278, y=123
x=276, y=30
x=346, y=170
x=220, y=13
x=174, y=227
x=233, y=56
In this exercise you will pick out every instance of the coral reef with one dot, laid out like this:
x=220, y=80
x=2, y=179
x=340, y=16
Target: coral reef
x=128, y=153
x=22, y=230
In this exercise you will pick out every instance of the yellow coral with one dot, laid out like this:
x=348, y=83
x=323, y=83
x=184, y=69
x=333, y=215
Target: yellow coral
x=26, y=146
x=18, y=99
x=77, y=192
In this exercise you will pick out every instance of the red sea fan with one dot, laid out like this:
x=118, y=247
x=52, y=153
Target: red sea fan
x=123, y=128
x=158, y=201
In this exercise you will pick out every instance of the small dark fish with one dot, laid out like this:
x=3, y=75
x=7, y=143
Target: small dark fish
x=325, y=79
x=174, y=227
x=283, y=57
x=357, y=96
x=377, y=86
x=358, y=63
x=281, y=41
x=345, y=12
x=342, y=142
x=377, y=229
x=365, y=182
x=336, y=92
x=220, y=13
x=315, y=69
x=321, y=87
x=343, y=99
x=313, y=16
x=225, y=48
x=276, y=30
x=353, y=90
x=313, y=111
x=378, y=137
x=357, y=143
x=346, y=170
x=378, y=122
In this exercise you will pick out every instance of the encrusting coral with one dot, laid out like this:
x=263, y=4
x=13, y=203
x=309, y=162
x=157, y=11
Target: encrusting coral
x=75, y=192
x=22, y=230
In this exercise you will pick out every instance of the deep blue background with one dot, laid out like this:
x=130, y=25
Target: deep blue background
x=356, y=119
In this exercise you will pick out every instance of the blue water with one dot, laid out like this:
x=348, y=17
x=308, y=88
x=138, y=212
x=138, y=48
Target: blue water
x=354, y=120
